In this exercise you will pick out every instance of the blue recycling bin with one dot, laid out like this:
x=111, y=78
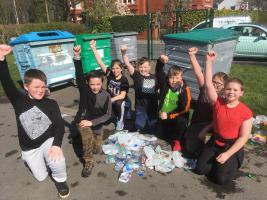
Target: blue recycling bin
x=49, y=51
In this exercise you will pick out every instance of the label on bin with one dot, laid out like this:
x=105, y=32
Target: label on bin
x=55, y=48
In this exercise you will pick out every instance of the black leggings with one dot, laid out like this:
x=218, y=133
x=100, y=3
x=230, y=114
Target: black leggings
x=192, y=145
x=173, y=129
x=216, y=172
x=118, y=108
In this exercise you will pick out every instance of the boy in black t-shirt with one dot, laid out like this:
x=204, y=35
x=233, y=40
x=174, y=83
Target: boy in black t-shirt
x=117, y=85
x=145, y=87
x=40, y=125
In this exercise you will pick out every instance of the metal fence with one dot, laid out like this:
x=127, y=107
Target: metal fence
x=161, y=23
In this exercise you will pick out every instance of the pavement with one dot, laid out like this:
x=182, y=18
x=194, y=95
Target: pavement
x=17, y=182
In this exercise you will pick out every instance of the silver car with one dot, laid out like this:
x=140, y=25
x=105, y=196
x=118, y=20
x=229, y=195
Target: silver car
x=252, y=41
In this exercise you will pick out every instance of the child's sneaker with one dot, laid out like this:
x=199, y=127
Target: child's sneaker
x=87, y=169
x=119, y=126
x=63, y=189
x=176, y=145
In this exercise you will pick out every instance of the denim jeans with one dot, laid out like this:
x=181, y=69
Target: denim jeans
x=142, y=119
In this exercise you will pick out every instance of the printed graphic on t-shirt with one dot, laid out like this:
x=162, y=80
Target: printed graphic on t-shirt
x=148, y=86
x=34, y=122
x=114, y=88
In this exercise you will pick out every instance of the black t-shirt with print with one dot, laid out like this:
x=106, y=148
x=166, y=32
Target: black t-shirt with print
x=114, y=87
x=146, y=92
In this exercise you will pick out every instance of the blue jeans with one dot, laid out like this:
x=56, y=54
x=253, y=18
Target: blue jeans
x=142, y=119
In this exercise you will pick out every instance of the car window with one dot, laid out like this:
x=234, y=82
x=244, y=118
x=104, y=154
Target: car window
x=246, y=30
x=256, y=32
x=200, y=26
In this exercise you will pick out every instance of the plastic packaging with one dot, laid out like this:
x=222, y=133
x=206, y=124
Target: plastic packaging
x=125, y=177
x=110, y=149
x=258, y=120
x=178, y=160
x=259, y=137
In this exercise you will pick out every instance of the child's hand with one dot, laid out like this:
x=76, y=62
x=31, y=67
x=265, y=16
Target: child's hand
x=77, y=50
x=192, y=51
x=124, y=48
x=223, y=157
x=211, y=55
x=4, y=50
x=164, y=59
x=55, y=153
x=85, y=123
x=163, y=115
x=92, y=44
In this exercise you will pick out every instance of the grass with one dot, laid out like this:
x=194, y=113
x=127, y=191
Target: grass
x=253, y=76
x=13, y=71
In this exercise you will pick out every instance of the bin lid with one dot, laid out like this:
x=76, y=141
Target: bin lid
x=121, y=34
x=41, y=36
x=87, y=37
x=207, y=35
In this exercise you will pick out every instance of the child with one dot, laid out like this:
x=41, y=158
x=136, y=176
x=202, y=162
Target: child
x=232, y=122
x=174, y=102
x=201, y=122
x=94, y=110
x=39, y=122
x=145, y=87
x=117, y=85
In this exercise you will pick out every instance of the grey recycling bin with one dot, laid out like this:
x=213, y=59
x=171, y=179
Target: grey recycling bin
x=222, y=41
x=125, y=38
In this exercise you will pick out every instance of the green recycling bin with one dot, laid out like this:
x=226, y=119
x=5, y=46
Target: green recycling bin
x=103, y=47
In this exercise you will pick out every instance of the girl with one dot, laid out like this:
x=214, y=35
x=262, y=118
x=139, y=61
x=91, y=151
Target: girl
x=117, y=85
x=232, y=122
x=201, y=121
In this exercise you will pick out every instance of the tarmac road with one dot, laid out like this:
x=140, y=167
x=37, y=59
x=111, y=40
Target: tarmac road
x=17, y=183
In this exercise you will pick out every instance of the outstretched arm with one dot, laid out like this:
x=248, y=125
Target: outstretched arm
x=5, y=78
x=211, y=92
x=160, y=75
x=195, y=65
x=81, y=83
x=125, y=58
x=97, y=56
x=239, y=143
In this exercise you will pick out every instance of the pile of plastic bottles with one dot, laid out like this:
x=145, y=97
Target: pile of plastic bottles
x=134, y=152
x=259, y=136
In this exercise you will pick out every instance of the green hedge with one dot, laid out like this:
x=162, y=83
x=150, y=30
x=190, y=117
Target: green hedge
x=129, y=23
x=262, y=17
x=12, y=30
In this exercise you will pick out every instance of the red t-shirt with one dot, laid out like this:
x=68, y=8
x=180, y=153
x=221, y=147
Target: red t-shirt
x=228, y=121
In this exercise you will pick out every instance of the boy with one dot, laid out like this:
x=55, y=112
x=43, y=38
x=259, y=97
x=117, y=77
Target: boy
x=174, y=102
x=40, y=126
x=145, y=87
x=94, y=110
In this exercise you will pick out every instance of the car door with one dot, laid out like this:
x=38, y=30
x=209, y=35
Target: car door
x=251, y=42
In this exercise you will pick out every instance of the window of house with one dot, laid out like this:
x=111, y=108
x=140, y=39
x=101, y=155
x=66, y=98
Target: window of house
x=129, y=1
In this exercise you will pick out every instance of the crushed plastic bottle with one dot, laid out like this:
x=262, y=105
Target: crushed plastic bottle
x=110, y=159
x=125, y=177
